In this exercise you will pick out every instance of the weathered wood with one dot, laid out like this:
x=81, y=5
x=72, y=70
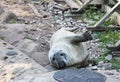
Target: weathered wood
x=62, y=2
x=79, y=2
x=61, y=7
x=115, y=15
x=35, y=10
x=116, y=52
x=73, y=5
x=83, y=6
x=95, y=2
x=107, y=15
x=101, y=28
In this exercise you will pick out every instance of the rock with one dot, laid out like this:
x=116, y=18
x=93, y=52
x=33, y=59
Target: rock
x=107, y=65
x=17, y=69
x=47, y=77
x=12, y=37
x=7, y=16
x=100, y=63
x=23, y=80
x=108, y=57
x=1, y=10
x=26, y=22
x=109, y=73
x=41, y=58
x=5, y=58
x=13, y=33
x=11, y=53
x=94, y=67
x=16, y=27
x=49, y=67
x=117, y=43
x=27, y=46
x=10, y=48
x=78, y=75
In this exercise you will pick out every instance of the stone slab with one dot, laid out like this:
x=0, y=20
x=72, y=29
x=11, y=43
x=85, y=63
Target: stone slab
x=27, y=46
x=14, y=68
x=78, y=75
x=41, y=58
x=13, y=32
x=48, y=77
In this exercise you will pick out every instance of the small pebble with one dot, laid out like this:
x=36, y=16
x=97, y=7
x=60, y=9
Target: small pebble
x=10, y=48
x=5, y=43
x=100, y=64
x=16, y=70
x=5, y=57
x=11, y=53
x=94, y=67
x=109, y=57
x=109, y=73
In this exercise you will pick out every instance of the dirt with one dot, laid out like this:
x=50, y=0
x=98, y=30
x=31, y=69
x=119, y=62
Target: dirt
x=39, y=29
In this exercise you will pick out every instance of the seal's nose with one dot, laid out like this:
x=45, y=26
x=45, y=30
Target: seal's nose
x=59, y=60
x=61, y=64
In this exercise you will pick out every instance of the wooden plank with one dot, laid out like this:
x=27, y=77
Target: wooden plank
x=61, y=7
x=115, y=15
x=73, y=5
x=107, y=15
x=79, y=2
x=100, y=2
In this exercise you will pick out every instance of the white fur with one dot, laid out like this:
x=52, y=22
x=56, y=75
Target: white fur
x=60, y=41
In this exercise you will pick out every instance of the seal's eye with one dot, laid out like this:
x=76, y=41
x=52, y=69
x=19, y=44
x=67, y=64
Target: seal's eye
x=53, y=59
x=61, y=54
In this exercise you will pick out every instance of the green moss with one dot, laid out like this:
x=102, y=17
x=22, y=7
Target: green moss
x=28, y=37
x=94, y=15
x=115, y=63
x=12, y=21
x=109, y=37
x=2, y=38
